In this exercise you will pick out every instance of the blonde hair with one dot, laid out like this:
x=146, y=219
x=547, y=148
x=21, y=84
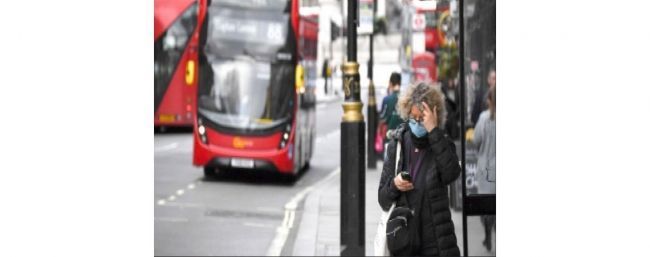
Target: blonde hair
x=423, y=92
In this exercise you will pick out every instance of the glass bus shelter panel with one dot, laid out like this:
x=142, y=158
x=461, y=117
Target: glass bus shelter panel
x=479, y=59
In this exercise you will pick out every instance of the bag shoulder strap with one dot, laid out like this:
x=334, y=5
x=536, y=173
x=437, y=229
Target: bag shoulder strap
x=397, y=156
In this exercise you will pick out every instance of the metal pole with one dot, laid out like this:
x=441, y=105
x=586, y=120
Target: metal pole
x=341, y=35
x=461, y=49
x=372, y=104
x=352, y=30
x=352, y=149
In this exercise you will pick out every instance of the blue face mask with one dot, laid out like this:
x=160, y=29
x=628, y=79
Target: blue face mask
x=417, y=129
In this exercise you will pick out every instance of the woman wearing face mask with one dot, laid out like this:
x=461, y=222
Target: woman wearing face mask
x=431, y=161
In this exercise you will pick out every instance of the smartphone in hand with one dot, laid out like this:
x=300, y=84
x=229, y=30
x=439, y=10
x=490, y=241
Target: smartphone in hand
x=405, y=176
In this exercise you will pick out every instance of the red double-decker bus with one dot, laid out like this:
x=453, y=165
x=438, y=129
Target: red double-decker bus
x=175, y=61
x=255, y=101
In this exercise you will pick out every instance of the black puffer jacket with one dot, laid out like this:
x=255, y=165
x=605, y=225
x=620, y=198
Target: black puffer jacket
x=440, y=170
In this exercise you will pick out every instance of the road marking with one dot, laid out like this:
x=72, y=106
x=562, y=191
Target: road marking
x=179, y=192
x=292, y=217
x=166, y=148
x=321, y=106
x=282, y=232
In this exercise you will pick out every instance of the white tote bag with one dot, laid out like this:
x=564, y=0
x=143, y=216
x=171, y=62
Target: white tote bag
x=381, y=247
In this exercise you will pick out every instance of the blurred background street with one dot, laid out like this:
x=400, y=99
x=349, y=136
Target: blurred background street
x=248, y=109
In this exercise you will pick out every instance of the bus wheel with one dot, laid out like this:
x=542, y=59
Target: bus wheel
x=211, y=173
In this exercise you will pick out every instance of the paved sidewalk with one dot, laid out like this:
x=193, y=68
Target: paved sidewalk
x=318, y=231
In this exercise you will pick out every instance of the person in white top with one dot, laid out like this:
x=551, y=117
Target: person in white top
x=485, y=138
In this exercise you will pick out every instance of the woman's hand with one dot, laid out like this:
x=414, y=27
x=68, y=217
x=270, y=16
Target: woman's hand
x=429, y=118
x=402, y=185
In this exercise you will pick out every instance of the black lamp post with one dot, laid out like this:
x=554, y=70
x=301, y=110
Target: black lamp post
x=372, y=104
x=352, y=149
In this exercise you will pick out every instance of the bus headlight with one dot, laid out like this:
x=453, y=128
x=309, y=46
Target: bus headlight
x=285, y=136
x=201, y=130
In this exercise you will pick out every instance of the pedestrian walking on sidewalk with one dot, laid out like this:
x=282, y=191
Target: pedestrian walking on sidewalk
x=327, y=73
x=430, y=160
x=388, y=102
x=389, y=113
x=485, y=135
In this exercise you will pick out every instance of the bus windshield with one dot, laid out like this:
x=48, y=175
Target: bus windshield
x=249, y=80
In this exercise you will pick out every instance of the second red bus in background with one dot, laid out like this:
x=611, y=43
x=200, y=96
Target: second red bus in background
x=176, y=36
